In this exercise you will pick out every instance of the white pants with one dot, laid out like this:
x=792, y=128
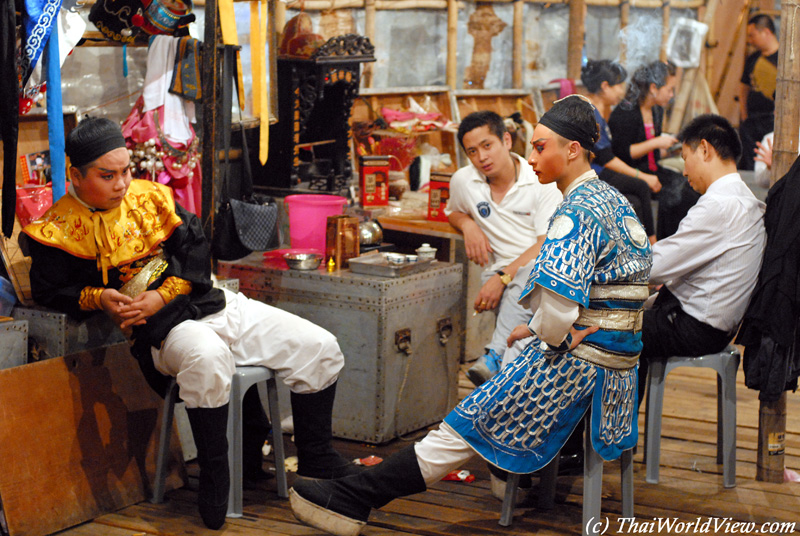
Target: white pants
x=440, y=452
x=203, y=354
x=510, y=313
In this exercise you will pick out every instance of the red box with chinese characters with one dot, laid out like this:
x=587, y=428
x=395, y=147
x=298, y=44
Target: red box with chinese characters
x=374, y=181
x=438, y=195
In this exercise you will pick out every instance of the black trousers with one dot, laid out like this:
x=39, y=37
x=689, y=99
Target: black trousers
x=674, y=201
x=667, y=330
x=751, y=130
x=638, y=194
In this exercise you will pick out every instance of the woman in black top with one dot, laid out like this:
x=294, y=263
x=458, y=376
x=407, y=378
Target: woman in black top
x=637, y=140
x=605, y=82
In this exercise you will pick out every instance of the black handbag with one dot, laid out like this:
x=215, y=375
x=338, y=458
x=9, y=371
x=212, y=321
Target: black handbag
x=250, y=223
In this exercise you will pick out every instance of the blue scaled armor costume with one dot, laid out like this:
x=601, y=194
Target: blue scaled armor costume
x=597, y=255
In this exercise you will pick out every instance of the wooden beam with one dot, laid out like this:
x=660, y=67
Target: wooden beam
x=369, y=29
x=211, y=87
x=624, y=17
x=518, y=44
x=787, y=118
x=665, y=11
x=772, y=416
x=398, y=5
x=452, y=44
x=575, y=40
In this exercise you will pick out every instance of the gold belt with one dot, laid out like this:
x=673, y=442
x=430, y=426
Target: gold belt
x=612, y=319
x=636, y=292
x=604, y=358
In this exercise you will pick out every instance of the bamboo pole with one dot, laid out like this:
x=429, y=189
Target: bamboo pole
x=280, y=17
x=771, y=440
x=737, y=37
x=624, y=16
x=452, y=44
x=665, y=11
x=518, y=45
x=369, y=28
x=772, y=415
x=577, y=29
x=687, y=81
x=787, y=119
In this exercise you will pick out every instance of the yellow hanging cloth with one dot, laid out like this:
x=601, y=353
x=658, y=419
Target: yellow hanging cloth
x=227, y=23
x=258, y=31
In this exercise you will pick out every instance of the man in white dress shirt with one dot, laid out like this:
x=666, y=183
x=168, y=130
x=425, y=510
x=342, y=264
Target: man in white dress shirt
x=709, y=267
x=502, y=210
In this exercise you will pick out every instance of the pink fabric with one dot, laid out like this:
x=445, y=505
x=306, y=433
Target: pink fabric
x=649, y=133
x=567, y=87
x=139, y=127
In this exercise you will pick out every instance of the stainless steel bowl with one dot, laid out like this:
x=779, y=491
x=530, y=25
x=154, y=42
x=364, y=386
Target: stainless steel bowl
x=369, y=233
x=303, y=261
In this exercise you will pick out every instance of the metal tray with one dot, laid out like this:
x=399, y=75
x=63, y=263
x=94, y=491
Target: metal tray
x=376, y=264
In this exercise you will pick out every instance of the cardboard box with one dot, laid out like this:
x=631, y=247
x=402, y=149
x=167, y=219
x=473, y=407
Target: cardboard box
x=341, y=239
x=374, y=181
x=438, y=196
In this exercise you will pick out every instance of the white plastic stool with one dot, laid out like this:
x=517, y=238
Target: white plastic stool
x=592, y=486
x=242, y=380
x=725, y=363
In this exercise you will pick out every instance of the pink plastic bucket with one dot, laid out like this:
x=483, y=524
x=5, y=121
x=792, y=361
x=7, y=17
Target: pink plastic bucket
x=308, y=218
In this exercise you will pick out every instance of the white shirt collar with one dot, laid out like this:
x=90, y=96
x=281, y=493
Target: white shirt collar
x=722, y=181
x=585, y=177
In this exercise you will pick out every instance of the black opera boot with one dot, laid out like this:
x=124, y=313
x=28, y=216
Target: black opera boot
x=316, y=458
x=342, y=506
x=255, y=430
x=209, y=428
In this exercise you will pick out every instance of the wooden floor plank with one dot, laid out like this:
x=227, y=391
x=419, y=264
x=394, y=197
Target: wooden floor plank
x=690, y=486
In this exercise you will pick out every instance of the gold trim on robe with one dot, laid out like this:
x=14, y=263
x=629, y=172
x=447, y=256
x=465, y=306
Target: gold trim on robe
x=114, y=237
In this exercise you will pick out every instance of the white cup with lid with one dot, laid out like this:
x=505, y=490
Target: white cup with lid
x=425, y=252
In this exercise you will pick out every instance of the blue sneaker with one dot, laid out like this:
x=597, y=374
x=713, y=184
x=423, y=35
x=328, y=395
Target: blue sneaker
x=487, y=366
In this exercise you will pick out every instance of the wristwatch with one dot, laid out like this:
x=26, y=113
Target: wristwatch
x=504, y=277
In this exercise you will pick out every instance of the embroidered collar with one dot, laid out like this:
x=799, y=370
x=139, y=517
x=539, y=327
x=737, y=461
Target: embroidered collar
x=114, y=237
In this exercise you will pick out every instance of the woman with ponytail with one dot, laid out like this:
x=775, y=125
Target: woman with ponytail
x=605, y=82
x=637, y=139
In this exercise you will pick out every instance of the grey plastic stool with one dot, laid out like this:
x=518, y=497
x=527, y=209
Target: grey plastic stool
x=592, y=486
x=243, y=379
x=725, y=363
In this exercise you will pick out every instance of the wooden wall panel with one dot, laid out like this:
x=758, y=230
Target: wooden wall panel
x=77, y=439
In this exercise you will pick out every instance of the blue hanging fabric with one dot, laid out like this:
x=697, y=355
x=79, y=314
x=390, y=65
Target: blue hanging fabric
x=39, y=18
x=55, y=117
x=125, y=60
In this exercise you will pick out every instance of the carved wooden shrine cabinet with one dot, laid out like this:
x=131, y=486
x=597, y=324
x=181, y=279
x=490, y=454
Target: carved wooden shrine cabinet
x=309, y=149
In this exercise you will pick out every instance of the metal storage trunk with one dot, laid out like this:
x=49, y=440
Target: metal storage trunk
x=400, y=338
x=13, y=343
x=58, y=335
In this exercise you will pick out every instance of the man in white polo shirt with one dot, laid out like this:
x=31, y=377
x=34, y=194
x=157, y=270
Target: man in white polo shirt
x=503, y=212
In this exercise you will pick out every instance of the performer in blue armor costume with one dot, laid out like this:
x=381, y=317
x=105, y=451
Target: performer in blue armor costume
x=588, y=286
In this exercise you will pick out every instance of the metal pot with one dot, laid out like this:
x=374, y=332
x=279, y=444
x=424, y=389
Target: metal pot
x=369, y=233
